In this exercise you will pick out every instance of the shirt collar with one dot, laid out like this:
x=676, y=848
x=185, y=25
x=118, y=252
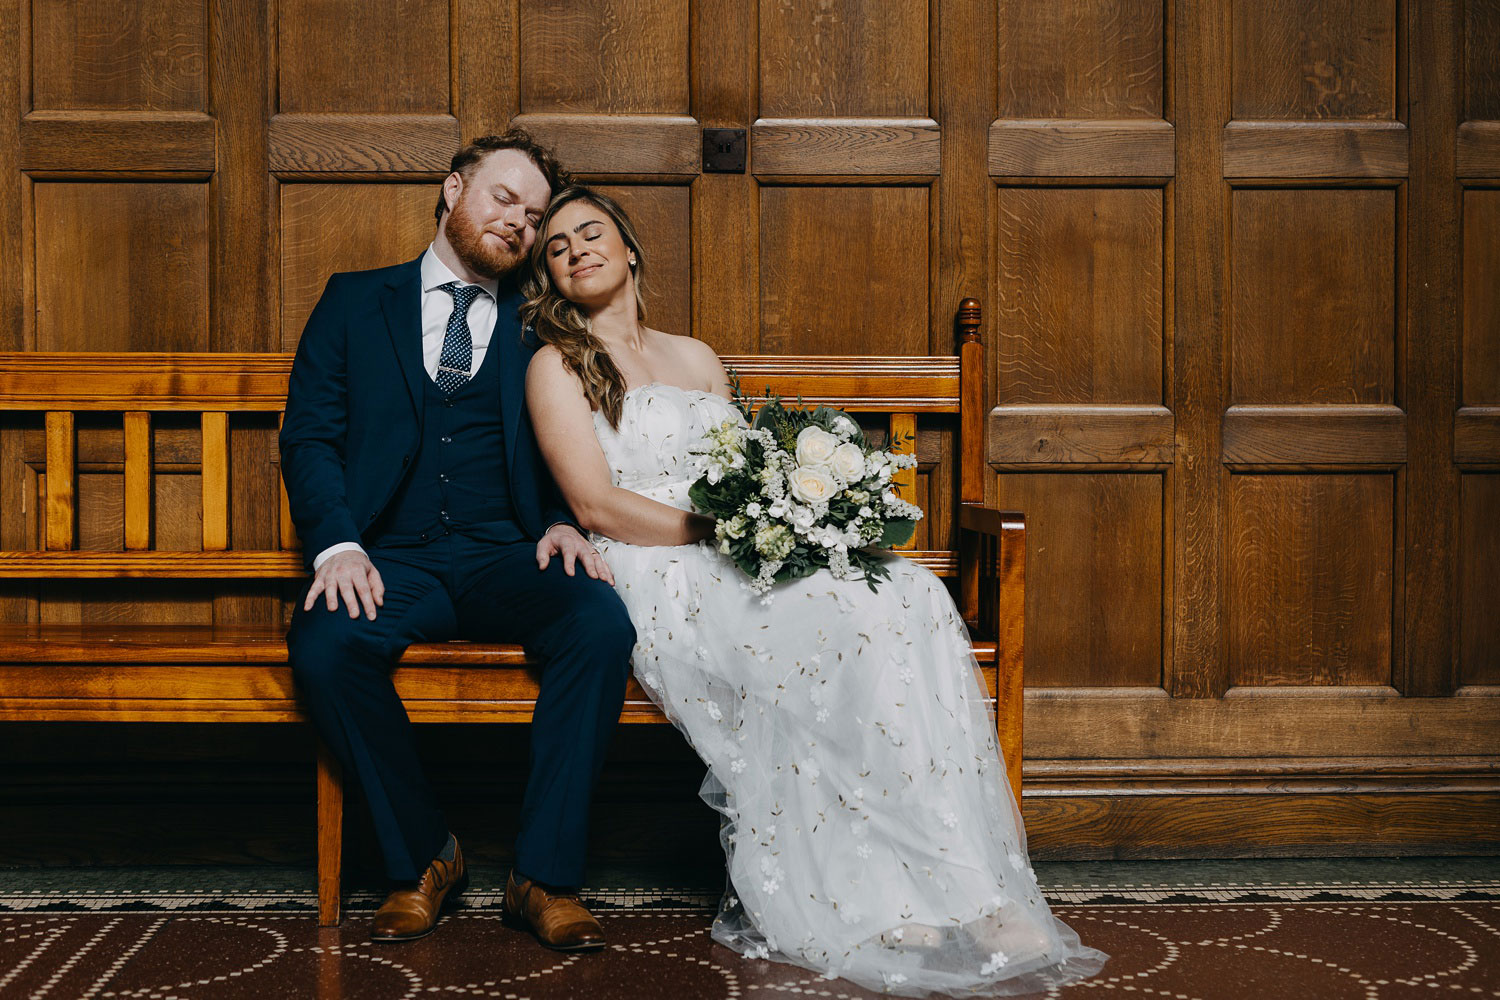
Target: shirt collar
x=435, y=273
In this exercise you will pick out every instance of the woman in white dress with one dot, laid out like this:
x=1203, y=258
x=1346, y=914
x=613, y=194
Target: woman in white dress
x=869, y=830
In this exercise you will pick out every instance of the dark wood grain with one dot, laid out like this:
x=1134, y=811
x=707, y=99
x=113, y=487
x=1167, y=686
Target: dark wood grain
x=16, y=324
x=1479, y=149
x=97, y=54
x=123, y=141
x=1057, y=434
x=1428, y=612
x=148, y=266
x=1093, y=615
x=1479, y=566
x=1081, y=59
x=1310, y=579
x=1480, y=87
x=615, y=57
x=1476, y=435
x=1315, y=149
x=1198, y=270
x=1248, y=826
x=1313, y=320
x=346, y=143
x=1481, y=297
x=1335, y=59
x=860, y=57
x=726, y=256
x=1043, y=147
x=669, y=145
x=393, y=57
x=326, y=228
x=1289, y=723
x=837, y=274
x=870, y=146
x=1312, y=435
x=1079, y=311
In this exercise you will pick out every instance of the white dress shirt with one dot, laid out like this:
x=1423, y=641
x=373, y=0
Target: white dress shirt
x=437, y=307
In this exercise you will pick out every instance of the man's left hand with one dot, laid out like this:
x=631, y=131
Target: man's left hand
x=565, y=541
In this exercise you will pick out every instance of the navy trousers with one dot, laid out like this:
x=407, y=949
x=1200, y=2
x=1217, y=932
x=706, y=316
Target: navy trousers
x=455, y=587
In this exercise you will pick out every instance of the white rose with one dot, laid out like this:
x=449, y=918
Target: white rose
x=848, y=461
x=815, y=446
x=801, y=517
x=811, y=485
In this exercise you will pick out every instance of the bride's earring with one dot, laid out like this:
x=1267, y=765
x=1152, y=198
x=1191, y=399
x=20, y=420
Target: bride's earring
x=632, y=260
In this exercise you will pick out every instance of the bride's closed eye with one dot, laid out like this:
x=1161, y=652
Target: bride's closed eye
x=560, y=250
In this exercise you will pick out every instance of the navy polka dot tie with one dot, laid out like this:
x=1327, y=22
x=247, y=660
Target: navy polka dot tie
x=458, y=344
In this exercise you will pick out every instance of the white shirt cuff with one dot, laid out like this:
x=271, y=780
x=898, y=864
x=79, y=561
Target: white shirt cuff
x=333, y=550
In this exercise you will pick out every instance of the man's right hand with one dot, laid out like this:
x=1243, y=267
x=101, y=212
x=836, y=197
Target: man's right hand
x=352, y=576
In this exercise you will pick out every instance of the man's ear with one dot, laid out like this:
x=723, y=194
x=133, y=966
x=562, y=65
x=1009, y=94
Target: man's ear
x=453, y=187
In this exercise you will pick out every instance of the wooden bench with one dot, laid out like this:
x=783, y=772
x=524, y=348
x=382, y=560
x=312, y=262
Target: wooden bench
x=238, y=673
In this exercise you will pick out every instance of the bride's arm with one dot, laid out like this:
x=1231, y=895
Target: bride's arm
x=564, y=427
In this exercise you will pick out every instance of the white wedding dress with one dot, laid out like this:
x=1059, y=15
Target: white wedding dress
x=869, y=830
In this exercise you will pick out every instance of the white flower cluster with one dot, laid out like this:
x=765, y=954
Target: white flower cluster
x=795, y=490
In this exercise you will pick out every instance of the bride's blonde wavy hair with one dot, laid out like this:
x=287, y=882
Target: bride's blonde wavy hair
x=563, y=324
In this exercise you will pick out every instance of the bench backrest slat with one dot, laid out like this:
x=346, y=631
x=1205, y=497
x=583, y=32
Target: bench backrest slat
x=139, y=474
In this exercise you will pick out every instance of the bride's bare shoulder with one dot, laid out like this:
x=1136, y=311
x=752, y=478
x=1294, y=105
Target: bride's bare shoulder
x=697, y=360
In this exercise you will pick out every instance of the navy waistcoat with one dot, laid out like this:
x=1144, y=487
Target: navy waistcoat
x=457, y=480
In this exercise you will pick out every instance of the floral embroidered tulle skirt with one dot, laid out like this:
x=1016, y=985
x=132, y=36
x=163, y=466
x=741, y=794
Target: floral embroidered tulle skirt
x=868, y=827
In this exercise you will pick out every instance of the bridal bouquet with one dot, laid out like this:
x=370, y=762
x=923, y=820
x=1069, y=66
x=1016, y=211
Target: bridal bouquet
x=798, y=490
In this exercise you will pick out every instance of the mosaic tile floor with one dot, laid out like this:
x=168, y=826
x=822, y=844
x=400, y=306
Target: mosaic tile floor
x=1359, y=929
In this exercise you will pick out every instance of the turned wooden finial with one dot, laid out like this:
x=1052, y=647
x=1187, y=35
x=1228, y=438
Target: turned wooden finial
x=968, y=321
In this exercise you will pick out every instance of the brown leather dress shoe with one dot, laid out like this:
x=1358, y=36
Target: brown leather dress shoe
x=408, y=914
x=557, y=918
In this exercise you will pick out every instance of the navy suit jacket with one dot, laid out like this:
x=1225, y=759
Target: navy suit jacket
x=354, y=408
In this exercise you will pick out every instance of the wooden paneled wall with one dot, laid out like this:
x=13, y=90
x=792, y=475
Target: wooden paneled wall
x=1241, y=269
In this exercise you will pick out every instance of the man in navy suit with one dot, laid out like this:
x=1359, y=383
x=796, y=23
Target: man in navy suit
x=427, y=513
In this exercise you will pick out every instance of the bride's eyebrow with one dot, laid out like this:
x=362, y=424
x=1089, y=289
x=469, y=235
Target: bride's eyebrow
x=578, y=228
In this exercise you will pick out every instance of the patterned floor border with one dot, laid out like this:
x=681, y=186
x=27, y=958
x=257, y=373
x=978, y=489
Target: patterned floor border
x=697, y=900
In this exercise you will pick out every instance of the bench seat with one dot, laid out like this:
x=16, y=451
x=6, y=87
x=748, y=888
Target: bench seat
x=52, y=672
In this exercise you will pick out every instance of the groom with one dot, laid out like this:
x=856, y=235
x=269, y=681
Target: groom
x=427, y=514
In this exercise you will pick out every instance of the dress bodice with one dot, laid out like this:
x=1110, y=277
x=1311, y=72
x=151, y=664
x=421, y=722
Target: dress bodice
x=651, y=451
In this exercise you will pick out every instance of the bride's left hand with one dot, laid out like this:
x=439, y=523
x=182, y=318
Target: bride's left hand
x=564, y=540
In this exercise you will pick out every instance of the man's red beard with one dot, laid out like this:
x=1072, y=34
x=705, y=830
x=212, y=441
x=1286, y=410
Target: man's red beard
x=488, y=259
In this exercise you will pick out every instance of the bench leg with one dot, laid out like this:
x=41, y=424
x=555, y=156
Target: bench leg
x=330, y=837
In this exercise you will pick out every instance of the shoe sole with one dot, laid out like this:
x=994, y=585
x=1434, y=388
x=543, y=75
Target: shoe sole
x=458, y=888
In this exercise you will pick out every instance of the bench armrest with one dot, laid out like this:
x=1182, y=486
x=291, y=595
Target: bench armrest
x=992, y=591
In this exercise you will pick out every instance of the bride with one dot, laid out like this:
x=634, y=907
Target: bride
x=869, y=830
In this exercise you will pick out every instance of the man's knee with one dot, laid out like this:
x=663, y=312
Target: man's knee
x=323, y=645
x=600, y=622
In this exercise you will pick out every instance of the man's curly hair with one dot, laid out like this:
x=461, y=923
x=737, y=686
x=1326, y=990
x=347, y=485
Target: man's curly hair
x=515, y=138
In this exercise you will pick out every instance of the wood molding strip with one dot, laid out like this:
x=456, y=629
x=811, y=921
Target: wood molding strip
x=130, y=141
x=897, y=147
x=1315, y=149
x=1314, y=435
x=87, y=381
x=1060, y=147
x=1479, y=149
x=1080, y=433
x=329, y=143
x=1084, y=724
x=1476, y=435
x=670, y=145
